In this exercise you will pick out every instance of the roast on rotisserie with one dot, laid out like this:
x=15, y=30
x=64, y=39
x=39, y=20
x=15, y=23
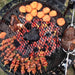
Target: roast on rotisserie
x=68, y=40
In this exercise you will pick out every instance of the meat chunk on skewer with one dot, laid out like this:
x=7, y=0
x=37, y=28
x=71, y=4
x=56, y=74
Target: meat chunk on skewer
x=14, y=23
x=68, y=38
x=12, y=64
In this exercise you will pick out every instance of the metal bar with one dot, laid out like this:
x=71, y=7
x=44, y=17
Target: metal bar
x=73, y=16
x=66, y=63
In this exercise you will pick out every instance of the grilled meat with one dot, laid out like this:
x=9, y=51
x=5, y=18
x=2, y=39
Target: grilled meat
x=68, y=38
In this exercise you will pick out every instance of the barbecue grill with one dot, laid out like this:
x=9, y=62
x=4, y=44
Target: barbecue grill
x=55, y=56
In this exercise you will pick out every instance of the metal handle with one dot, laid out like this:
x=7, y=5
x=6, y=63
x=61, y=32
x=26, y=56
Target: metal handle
x=73, y=15
x=66, y=63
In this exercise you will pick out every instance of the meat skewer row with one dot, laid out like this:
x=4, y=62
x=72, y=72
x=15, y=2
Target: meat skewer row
x=27, y=65
x=7, y=40
x=8, y=50
x=6, y=59
x=22, y=69
x=43, y=59
x=9, y=56
x=12, y=64
x=22, y=66
x=37, y=62
x=14, y=61
x=17, y=64
x=33, y=65
x=5, y=55
x=43, y=62
x=6, y=45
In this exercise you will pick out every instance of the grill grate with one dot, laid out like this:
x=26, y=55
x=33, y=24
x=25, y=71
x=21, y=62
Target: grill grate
x=56, y=53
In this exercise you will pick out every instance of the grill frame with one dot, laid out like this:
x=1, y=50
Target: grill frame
x=59, y=53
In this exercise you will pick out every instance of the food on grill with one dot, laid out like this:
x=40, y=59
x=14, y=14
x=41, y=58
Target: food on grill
x=60, y=21
x=68, y=39
x=7, y=42
x=53, y=13
x=34, y=4
x=22, y=66
x=6, y=62
x=27, y=65
x=17, y=65
x=34, y=12
x=12, y=64
x=10, y=58
x=46, y=18
x=2, y=35
x=72, y=46
x=22, y=9
x=40, y=14
x=22, y=69
x=34, y=39
x=43, y=62
x=39, y=6
x=29, y=17
x=46, y=10
x=28, y=8
x=14, y=21
x=3, y=47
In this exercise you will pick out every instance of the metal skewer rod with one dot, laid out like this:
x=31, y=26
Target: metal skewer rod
x=68, y=53
x=73, y=16
x=66, y=63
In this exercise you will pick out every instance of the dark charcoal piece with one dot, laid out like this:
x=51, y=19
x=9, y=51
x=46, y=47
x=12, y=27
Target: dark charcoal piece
x=48, y=34
x=35, y=49
x=49, y=48
x=25, y=47
x=16, y=43
x=52, y=32
x=44, y=49
x=28, y=26
x=46, y=42
x=33, y=35
x=48, y=24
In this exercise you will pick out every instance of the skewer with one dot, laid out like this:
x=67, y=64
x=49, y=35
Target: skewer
x=12, y=64
x=66, y=63
x=8, y=40
x=29, y=73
